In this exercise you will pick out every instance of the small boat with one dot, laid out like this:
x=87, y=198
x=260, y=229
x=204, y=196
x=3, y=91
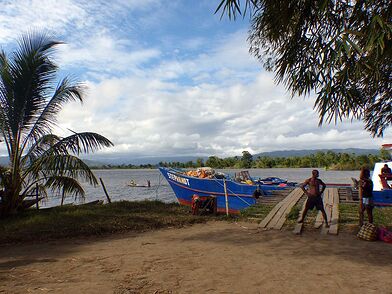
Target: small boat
x=240, y=191
x=132, y=183
x=276, y=181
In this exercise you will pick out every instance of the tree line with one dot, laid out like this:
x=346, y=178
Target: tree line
x=328, y=160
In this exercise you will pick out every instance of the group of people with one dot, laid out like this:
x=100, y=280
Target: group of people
x=314, y=188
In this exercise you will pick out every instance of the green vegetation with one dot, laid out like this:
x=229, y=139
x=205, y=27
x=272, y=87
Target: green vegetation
x=30, y=100
x=329, y=160
x=124, y=216
x=348, y=216
x=340, y=51
x=256, y=212
x=92, y=220
x=124, y=166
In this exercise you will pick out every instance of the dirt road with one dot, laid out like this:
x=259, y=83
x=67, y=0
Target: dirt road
x=217, y=257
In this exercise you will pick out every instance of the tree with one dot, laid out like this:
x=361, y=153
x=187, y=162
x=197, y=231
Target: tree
x=29, y=103
x=246, y=159
x=385, y=154
x=340, y=50
x=199, y=162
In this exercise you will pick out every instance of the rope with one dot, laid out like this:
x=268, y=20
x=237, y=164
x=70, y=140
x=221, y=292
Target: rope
x=226, y=188
x=233, y=192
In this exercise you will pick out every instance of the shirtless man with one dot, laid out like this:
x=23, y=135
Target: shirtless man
x=314, y=195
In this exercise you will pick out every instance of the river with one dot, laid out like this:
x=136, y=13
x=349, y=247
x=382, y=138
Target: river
x=116, y=182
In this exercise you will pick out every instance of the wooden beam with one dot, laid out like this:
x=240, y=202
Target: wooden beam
x=286, y=210
x=298, y=227
x=328, y=209
x=106, y=192
x=334, y=225
x=277, y=207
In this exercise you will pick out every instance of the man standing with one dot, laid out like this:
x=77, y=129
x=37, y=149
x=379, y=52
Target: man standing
x=314, y=195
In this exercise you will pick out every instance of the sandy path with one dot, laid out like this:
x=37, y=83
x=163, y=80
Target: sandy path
x=217, y=257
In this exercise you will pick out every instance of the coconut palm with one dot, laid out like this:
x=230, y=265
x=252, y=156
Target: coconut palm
x=30, y=100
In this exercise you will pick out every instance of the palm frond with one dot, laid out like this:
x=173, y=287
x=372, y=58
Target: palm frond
x=39, y=147
x=66, y=185
x=33, y=73
x=233, y=7
x=77, y=143
x=50, y=165
x=66, y=91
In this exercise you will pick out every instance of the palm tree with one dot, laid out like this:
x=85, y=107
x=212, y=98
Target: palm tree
x=340, y=51
x=30, y=100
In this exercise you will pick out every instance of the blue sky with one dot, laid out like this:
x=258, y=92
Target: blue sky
x=171, y=78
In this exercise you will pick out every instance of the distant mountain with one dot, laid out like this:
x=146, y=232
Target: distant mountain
x=119, y=159
x=292, y=153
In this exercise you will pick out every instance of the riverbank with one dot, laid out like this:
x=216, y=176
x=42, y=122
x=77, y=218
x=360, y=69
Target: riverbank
x=215, y=257
x=74, y=221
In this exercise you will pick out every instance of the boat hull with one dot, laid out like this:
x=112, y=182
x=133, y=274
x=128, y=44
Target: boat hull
x=240, y=196
x=382, y=198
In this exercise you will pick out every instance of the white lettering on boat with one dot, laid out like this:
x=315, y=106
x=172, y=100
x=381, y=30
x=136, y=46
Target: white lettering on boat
x=178, y=179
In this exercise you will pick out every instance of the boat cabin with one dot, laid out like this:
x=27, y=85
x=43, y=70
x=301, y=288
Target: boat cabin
x=381, y=181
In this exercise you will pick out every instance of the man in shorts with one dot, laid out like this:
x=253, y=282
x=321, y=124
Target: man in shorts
x=314, y=195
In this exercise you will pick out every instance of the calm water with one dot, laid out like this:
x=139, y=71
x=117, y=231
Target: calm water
x=116, y=183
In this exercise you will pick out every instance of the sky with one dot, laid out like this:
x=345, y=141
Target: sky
x=171, y=78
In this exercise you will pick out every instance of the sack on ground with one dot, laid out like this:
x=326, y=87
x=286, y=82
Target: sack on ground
x=385, y=235
x=368, y=232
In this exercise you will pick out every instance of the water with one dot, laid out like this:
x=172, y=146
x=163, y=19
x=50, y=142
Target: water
x=116, y=183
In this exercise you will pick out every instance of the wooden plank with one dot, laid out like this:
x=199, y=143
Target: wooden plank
x=277, y=207
x=349, y=195
x=328, y=210
x=298, y=227
x=271, y=214
x=319, y=218
x=282, y=209
x=334, y=225
x=285, y=210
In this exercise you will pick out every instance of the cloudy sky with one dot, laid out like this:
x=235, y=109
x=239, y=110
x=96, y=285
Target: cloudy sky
x=171, y=78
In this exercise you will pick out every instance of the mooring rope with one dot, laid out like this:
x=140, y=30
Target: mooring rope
x=232, y=192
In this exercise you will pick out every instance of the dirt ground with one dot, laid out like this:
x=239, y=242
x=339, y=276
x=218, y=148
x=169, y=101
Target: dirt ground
x=217, y=257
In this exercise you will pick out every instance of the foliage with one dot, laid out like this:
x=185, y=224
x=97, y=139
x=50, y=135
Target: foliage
x=329, y=159
x=340, y=50
x=29, y=103
x=385, y=154
x=246, y=159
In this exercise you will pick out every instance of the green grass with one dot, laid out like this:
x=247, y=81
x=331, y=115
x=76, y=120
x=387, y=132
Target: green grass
x=348, y=216
x=124, y=216
x=73, y=221
x=256, y=213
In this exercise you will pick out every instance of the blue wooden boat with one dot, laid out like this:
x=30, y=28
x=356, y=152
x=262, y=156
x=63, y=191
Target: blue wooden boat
x=240, y=195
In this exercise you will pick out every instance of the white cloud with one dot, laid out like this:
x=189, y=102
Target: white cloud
x=194, y=95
